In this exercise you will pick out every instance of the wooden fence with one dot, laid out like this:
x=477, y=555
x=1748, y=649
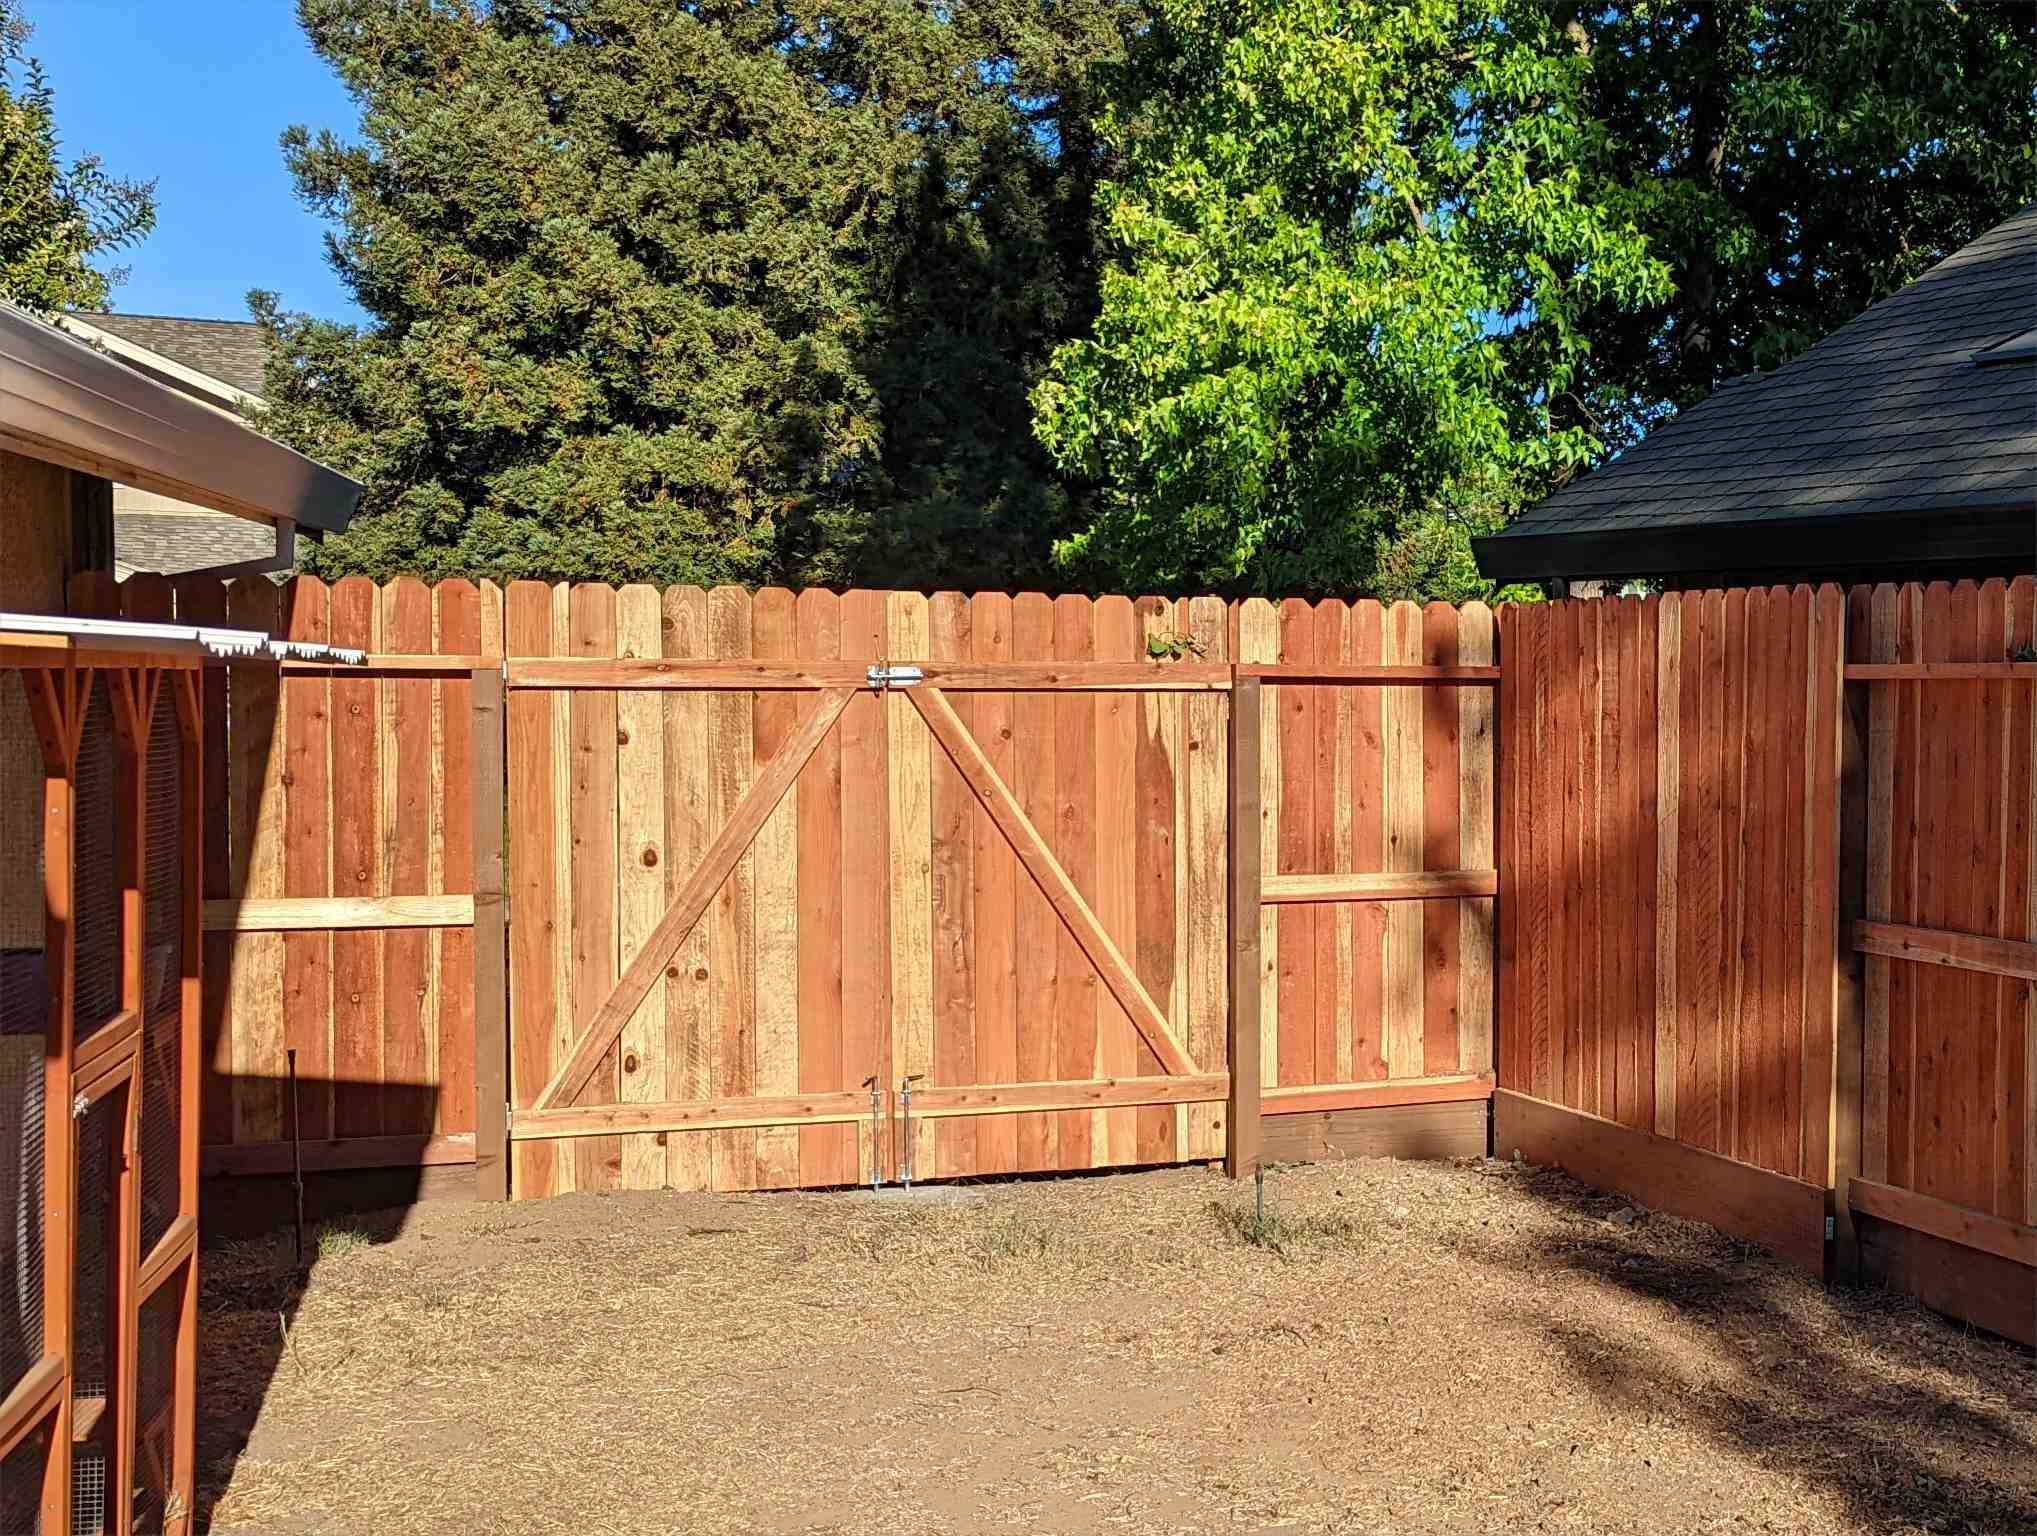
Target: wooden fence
x=1767, y=941
x=1053, y=887
x=339, y=854
x=342, y=846
x=1946, y=1180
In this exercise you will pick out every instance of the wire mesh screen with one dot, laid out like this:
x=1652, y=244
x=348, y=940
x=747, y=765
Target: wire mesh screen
x=156, y=1344
x=97, y=951
x=21, y=1485
x=98, y=1140
x=162, y=990
x=88, y=1491
x=24, y=1009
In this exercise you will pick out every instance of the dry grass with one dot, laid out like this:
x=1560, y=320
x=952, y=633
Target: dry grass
x=1399, y=1348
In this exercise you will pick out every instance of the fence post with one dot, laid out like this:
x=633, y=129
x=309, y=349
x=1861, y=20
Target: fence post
x=491, y=951
x=1241, y=1157
x=1849, y=980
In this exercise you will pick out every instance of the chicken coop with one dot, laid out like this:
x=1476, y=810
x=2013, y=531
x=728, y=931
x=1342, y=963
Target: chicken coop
x=99, y=1027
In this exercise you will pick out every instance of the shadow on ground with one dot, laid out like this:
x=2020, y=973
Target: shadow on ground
x=248, y=1292
x=1764, y=1363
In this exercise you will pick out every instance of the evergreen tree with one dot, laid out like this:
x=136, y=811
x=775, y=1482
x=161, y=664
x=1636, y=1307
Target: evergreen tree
x=723, y=292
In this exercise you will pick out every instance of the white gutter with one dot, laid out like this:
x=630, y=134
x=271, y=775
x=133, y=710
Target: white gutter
x=225, y=643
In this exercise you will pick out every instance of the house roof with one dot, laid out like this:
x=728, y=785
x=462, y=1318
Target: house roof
x=194, y=540
x=1887, y=442
x=230, y=351
x=67, y=402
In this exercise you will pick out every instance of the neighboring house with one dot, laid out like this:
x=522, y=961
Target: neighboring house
x=218, y=362
x=78, y=418
x=1901, y=447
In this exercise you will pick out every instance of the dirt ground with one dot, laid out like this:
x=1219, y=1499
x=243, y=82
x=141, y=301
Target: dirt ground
x=1407, y=1348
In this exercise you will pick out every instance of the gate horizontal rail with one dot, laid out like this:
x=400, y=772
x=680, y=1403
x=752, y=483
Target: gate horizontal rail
x=841, y=1108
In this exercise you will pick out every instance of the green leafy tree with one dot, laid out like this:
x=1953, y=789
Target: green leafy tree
x=55, y=220
x=721, y=292
x=1793, y=161
x=1385, y=270
x=1353, y=243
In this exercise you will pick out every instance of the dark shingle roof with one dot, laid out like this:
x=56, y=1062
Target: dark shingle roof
x=171, y=542
x=227, y=350
x=1888, y=414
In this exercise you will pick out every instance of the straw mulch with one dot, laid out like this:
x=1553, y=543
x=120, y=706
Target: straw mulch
x=1401, y=1347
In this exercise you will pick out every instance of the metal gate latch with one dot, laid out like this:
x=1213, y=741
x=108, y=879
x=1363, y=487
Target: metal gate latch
x=882, y=677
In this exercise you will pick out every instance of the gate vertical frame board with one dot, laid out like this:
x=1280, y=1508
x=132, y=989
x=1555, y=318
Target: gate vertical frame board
x=908, y=639
x=1076, y=985
x=732, y=942
x=866, y=844
x=538, y=1168
x=952, y=915
x=1159, y=783
x=689, y=1019
x=1037, y=930
x=995, y=881
x=827, y=1153
x=1118, y=1053
x=589, y=810
x=640, y=860
x=774, y=634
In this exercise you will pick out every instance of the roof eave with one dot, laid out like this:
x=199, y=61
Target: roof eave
x=1903, y=542
x=71, y=404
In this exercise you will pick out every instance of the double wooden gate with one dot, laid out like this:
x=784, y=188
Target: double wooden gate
x=777, y=860
x=758, y=870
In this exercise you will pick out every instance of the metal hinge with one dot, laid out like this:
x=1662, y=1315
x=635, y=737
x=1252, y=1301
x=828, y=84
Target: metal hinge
x=882, y=677
x=79, y=1106
x=1831, y=1228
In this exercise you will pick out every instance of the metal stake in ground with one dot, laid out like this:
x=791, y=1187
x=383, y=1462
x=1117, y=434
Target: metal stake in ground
x=905, y=1099
x=876, y=1132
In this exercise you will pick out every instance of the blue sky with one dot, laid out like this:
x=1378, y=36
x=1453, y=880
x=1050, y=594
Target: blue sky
x=194, y=94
